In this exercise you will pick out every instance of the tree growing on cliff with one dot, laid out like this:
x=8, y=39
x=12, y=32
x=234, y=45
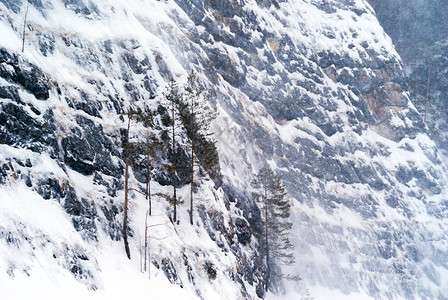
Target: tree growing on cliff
x=149, y=148
x=197, y=116
x=274, y=204
x=127, y=154
x=130, y=148
x=24, y=26
x=173, y=101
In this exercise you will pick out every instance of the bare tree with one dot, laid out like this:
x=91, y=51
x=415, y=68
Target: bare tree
x=146, y=240
x=427, y=92
x=126, y=190
x=147, y=244
x=24, y=27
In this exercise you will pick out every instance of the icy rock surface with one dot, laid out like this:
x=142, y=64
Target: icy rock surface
x=419, y=30
x=315, y=88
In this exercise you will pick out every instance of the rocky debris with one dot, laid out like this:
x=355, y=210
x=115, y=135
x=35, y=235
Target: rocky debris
x=10, y=238
x=86, y=104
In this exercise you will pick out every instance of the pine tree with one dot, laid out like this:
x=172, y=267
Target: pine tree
x=126, y=190
x=274, y=204
x=149, y=148
x=174, y=102
x=197, y=116
x=130, y=149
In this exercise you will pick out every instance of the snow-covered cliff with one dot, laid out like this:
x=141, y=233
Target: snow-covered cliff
x=313, y=87
x=419, y=30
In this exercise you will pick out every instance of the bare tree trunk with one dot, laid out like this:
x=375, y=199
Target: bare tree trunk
x=174, y=166
x=415, y=92
x=146, y=240
x=427, y=92
x=126, y=200
x=192, y=160
x=148, y=186
x=191, y=188
x=24, y=28
x=140, y=250
x=149, y=260
x=148, y=213
x=268, y=273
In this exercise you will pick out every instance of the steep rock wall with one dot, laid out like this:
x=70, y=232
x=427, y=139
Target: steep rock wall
x=419, y=30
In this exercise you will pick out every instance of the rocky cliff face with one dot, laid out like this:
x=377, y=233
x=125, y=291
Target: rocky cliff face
x=314, y=88
x=419, y=30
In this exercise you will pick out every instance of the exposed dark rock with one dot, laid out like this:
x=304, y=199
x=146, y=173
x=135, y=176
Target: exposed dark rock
x=169, y=270
x=90, y=150
x=19, y=129
x=78, y=263
x=84, y=7
x=113, y=226
x=46, y=43
x=51, y=188
x=83, y=214
x=243, y=231
x=189, y=269
x=14, y=5
x=15, y=70
x=10, y=92
x=86, y=104
x=210, y=269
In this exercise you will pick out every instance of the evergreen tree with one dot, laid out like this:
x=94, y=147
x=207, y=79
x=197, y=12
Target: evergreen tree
x=126, y=190
x=197, y=116
x=149, y=148
x=174, y=102
x=191, y=116
x=274, y=204
x=130, y=149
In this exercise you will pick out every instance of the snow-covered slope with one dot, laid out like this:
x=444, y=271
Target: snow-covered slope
x=312, y=87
